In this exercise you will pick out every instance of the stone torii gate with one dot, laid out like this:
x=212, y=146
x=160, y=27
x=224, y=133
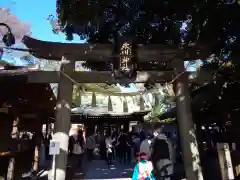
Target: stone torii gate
x=102, y=52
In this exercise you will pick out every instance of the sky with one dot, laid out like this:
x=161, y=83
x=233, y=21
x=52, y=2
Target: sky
x=35, y=14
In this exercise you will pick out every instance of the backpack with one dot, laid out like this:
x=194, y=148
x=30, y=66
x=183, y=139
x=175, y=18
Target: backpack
x=90, y=142
x=145, y=171
x=159, y=149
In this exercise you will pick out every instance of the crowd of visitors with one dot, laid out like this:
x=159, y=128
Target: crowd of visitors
x=153, y=153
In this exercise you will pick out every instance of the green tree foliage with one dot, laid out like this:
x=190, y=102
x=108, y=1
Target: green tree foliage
x=155, y=113
x=164, y=103
x=204, y=22
x=209, y=24
x=220, y=98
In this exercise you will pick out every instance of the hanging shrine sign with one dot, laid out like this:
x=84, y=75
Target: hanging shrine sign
x=126, y=63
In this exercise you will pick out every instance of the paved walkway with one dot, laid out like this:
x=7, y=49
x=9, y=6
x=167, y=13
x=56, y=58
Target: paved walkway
x=98, y=169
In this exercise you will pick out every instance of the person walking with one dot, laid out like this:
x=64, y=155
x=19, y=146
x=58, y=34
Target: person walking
x=123, y=147
x=142, y=135
x=109, y=148
x=145, y=146
x=162, y=155
x=130, y=147
x=90, y=146
x=76, y=149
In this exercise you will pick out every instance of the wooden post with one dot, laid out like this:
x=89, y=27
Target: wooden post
x=37, y=146
x=187, y=133
x=225, y=161
x=63, y=119
x=12, y=161
x=36, y=158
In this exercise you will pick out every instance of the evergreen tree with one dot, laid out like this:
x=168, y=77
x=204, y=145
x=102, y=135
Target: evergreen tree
x=210, y=25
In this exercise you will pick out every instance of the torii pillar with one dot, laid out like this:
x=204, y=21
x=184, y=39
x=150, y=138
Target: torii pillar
x=186, y=127
x=63, y=119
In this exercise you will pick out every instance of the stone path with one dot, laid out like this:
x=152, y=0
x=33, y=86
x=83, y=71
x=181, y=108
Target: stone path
x=98, y=169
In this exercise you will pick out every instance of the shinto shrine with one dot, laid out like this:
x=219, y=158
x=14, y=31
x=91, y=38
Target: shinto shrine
x=169, y=57
x=170, y=60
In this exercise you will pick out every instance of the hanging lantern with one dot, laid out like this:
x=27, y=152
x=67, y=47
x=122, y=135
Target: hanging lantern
x=8, y=38
x=110, y=107
x=125, y=105
x=94, y=100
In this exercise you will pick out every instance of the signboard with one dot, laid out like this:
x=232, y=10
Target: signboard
x=54, y=147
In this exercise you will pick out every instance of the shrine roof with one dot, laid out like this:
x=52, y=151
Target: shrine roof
x=56, y=50
x=8, y=69
x=102, y=112
x=26, y=97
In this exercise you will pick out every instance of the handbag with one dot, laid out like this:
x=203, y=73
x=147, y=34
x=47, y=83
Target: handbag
x=77, y=149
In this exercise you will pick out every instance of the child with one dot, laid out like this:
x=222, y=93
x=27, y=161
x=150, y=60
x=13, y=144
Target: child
x=143, y=169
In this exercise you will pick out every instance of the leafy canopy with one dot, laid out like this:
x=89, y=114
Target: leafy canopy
x=205, y=22
x=213, y=24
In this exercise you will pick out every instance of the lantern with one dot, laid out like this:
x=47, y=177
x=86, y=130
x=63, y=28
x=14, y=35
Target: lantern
x=8, y=38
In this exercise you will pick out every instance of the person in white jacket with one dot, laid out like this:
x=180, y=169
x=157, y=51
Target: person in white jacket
x=109, y=148
x=76, y=148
